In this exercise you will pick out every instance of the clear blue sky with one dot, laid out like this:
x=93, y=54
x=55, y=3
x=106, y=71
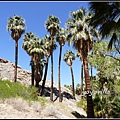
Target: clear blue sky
x=35, y=15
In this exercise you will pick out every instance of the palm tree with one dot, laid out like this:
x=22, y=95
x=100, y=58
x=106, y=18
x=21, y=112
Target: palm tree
x=48, y=50
x=34, y=47
x=17, y=27
x=37, y=52
x=109, y=22
x=52, y=25
x=68, y=57
x=80, y=33
x=60, y=38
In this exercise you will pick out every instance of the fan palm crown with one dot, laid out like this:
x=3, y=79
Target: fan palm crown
x=52, y=24
x=68, y=57
x=61, y=36
x=17, y=26
x=79, y=30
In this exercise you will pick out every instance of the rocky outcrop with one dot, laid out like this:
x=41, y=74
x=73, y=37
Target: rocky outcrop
x=7, y=72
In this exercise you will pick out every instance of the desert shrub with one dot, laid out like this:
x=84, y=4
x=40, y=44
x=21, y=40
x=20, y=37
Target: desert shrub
x=50, y=111
x=82, y=103
x=18, y=104
x=10, y=89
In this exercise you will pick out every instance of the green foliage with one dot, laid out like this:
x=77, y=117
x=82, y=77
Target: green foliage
x=107, y=78
x=48, y=47
x=78, y=89
x=106, y=63
x=42, y=100
x=61, y=36
x=69, y=55
x=52, y=23
x=33, y=45
x=106, y=104
x=17, y=22
x=82, y=103
x=108, y=22
x=68, y=86
x=10, y=89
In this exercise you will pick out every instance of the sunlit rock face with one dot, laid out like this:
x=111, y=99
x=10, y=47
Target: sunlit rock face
x=7, y=72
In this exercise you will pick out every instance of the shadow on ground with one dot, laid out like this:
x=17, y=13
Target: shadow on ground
x=77, y=115
x=64, y=94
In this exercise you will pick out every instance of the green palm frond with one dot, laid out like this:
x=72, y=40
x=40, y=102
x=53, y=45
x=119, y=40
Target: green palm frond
x=33, y=45
x=17, y=22
x=79, y=31
x=48, y=47
x=52, y=22
x=112, y=41
x=69, y=54
x=106, y=21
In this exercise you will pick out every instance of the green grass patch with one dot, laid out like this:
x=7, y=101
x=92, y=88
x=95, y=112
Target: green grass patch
x=10, y=89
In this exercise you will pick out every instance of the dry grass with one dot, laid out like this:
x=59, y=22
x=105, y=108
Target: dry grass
x=18, y=104
x=36, y=107
x=51, y=110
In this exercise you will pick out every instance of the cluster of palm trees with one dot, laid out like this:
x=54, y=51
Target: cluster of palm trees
x=80, y=32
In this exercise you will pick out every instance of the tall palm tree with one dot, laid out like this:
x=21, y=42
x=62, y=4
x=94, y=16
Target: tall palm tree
x=60, y=38
x=68, y=57
x=52, y=25
x=48, y=50
x=16, y=25
x=34, y=47
x=106, y=15
x=80, y=33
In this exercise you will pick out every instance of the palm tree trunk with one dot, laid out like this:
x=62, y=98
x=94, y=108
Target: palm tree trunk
x=45, y=75
x=81, y=80
x=51, y=94
x=90, y=109
x=73, y=90
x=32, y=69
x=59, y=85
x=36, y=76
x=16, y=60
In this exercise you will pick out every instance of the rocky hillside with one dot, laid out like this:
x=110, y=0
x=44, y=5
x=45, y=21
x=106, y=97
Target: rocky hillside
x=67, y=109
x=7, y=72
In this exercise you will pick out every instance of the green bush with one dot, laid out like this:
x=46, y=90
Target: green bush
x=11, y=89
x=82, y=103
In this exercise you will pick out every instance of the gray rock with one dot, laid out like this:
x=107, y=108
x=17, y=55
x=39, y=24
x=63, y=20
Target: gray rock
x=7, y=72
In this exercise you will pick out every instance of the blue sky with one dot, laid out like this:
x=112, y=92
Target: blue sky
x=35, y=15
